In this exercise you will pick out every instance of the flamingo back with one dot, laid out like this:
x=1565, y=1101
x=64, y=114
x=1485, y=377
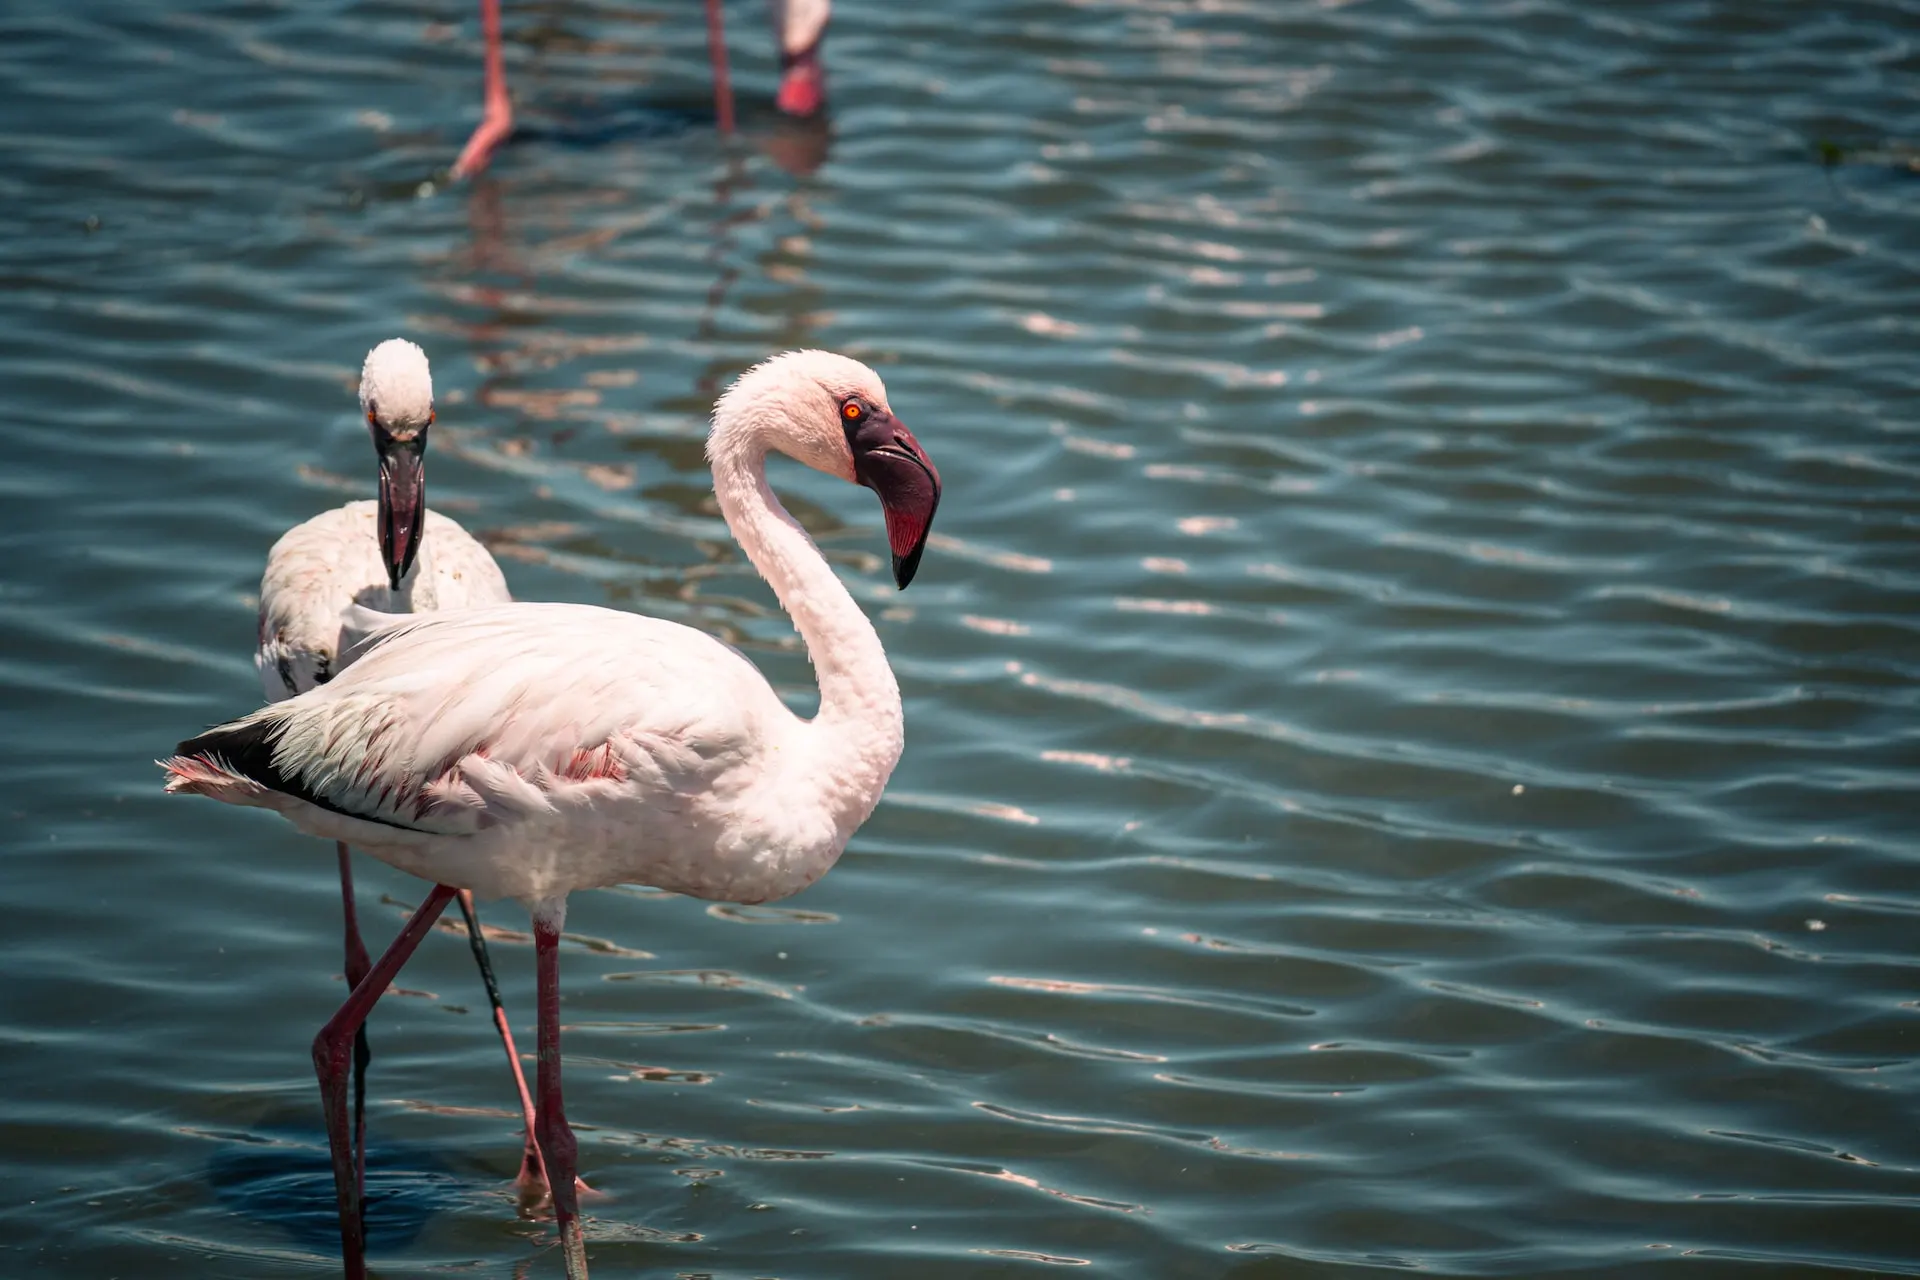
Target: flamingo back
x=539, y=748
x=319, y=569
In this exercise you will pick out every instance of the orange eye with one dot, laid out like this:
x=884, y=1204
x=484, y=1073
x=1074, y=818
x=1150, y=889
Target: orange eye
x=852, y=411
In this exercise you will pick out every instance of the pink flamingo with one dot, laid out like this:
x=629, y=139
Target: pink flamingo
x=380, y=555
x=530, y=750
x=799, y=26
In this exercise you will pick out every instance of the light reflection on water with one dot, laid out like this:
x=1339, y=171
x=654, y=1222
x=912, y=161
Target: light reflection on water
x=1410, y=703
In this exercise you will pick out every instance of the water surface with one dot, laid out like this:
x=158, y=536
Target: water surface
x=1411, y=700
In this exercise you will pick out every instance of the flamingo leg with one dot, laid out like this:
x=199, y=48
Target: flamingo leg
x=717, y=54
x=330, y=1053
x=356, y=969
x=557, y=1143
x=497, y=122
x=532, y=1181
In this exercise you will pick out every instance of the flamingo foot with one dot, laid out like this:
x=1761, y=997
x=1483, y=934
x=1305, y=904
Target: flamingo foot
x=537, y=1202
x=494, y=130
x=530, y=1185
x=803, y=84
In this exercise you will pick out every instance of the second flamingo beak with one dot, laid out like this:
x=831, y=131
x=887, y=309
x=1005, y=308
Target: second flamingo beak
x=403, y=502
x=901, y=475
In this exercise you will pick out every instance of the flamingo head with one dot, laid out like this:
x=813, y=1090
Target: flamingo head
x=831, y=413
x=800, y=26
x=396, y=394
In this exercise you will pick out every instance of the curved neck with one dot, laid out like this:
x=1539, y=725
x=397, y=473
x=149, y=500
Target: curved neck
x=860, y=730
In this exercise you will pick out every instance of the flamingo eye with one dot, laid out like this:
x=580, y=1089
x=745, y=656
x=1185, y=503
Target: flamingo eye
x=853, y=411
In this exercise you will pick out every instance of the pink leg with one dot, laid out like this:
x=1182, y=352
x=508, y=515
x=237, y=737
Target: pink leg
x=717, y=54
x=357, y=966
x=497, y=123
x=532, y=1181
x=330, y=1049
x=556, y=1138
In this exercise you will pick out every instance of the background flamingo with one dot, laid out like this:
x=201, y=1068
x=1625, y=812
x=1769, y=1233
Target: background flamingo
x=379, y=555
x=530, y=750
x=799, y=26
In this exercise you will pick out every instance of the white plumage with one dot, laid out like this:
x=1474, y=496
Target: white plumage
x=320, y=568
x=529, y=750
x=533, y=749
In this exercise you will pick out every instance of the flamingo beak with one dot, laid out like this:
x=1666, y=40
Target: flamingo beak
x=403, y=501
x=901, y=475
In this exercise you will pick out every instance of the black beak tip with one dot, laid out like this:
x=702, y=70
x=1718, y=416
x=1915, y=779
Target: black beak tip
x=904, y=567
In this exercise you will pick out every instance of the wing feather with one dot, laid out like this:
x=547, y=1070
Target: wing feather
x=454, y=722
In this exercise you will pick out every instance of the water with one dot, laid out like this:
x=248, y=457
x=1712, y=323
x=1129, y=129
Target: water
x=1411, y=702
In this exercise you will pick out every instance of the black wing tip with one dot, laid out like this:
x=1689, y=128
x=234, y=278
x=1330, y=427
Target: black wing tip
x=246, y=747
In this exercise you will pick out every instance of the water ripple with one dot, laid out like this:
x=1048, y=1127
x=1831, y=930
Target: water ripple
x=1410, y=702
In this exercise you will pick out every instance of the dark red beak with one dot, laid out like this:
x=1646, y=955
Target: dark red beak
x=403, y=501
x=889, y=461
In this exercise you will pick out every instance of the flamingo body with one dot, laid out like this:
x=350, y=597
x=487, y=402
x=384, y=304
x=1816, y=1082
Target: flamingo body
x=321, y=567
x=531, y=750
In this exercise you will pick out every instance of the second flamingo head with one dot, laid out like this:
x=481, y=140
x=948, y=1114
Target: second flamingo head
x=396, y=395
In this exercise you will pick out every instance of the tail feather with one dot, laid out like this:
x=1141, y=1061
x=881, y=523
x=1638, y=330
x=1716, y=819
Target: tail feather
x=244, y=747
x=235, y=762
x=212, y=776
x=232, y=762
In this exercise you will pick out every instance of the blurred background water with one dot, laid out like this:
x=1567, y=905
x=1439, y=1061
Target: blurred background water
x=1411, y=707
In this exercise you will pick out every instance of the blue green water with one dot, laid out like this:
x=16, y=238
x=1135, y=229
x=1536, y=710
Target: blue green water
x=1411, y=700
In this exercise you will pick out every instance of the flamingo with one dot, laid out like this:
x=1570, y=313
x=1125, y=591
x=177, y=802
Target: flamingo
x=531, y=750
x=378, y=555
x=799, y=27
